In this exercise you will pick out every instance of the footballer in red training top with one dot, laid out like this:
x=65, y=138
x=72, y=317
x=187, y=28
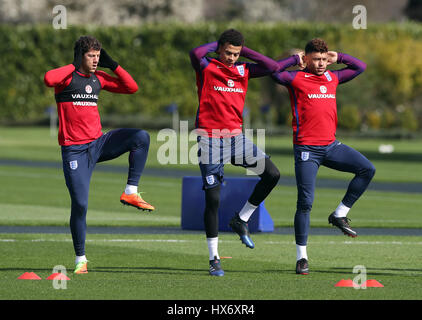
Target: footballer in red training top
x=77, y=88
x=222, y=84
x=313, y=99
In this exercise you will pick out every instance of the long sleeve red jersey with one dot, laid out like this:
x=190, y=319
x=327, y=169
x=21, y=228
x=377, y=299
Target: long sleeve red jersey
x=76, y=97
x=222, y=89
x=313, y=98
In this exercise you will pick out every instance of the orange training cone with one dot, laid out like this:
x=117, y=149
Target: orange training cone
x=344, y=283
x=58, y=276
x=372, y=283
x=29, y=276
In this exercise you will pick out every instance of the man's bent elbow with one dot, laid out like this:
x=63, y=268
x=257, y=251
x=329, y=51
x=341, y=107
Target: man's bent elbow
x=362, y=68
x=132, y=89
x=47, y=80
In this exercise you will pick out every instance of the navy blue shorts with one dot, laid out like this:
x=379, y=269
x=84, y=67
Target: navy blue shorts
x=214, y=153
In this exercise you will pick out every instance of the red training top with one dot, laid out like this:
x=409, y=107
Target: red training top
x=76, y=97
x=222, y=93
x=222, y=89
x=313, y=98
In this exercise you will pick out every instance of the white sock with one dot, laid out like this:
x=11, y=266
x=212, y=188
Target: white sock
x=247, y=211
x=131, y=189
x=80, y=259
x=301, y=252
x=213, y=247
x=341, y=211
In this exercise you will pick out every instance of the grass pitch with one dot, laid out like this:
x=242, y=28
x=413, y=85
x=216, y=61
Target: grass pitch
x=175, y=266
x=38, y=196
x=403, y=165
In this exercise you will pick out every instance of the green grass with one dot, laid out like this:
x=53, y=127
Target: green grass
x=38, y=196
x=173, y=267
x=403, y=165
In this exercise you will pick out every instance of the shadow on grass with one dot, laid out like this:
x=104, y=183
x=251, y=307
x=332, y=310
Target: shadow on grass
x=172, y=271
x=203, y=271
x=118, y=270
x=155, y=270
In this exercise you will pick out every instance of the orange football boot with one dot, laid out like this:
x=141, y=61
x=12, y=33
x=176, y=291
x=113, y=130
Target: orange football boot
x=135, y=200
x=81, y=267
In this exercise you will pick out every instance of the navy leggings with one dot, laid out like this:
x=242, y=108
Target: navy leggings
x=336, y=156
x=79, y=162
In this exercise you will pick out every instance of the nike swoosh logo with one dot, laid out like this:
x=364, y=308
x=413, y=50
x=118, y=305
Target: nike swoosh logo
x=308, y=75
x=218, y=67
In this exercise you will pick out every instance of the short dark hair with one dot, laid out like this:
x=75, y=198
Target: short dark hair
x=87, y=43
x=231, y=36
x=316, y=45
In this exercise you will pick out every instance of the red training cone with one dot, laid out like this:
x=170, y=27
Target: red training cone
x=372, y=283
x=344, y=283
x=58, y=276
x=29, y=276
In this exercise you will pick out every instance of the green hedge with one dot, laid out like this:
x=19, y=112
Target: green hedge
x=157, y=57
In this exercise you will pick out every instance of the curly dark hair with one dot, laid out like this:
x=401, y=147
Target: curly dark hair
x=87, y=43
x=316, y=45
x=231, y=36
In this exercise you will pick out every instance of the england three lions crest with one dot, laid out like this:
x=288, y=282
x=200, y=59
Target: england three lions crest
x=305, y=156
x=73, y=164
x=241, y=70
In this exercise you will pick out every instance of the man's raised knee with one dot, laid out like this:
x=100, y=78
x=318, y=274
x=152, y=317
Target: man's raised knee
x=142, y=138
x=368, y=171
x=271, y=174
